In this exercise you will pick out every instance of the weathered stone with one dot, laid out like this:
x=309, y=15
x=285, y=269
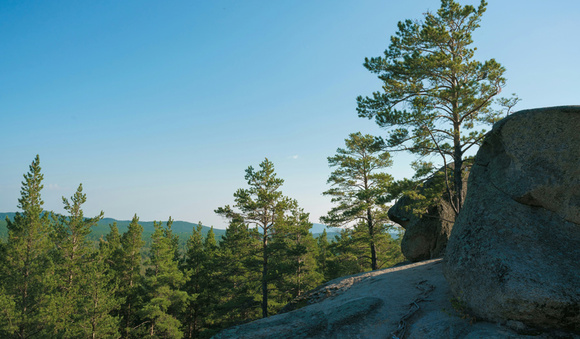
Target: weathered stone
x=307, y=323
x=367, y=305
x=514, y=253
x=410, y=301
x=352, y=312
x=426, y=236
x=439, y=324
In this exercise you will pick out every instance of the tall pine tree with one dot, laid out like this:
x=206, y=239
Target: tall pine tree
x=73, y=258
x=128, y=272
x=294, y=269
x=239, y=275
x=434, y=95
x=260, y=204
x=27, y=269
x=359, y=186
x=162, y=283
x=193, y=267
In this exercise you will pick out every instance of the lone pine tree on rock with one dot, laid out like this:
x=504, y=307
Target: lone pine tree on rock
x=435, y=95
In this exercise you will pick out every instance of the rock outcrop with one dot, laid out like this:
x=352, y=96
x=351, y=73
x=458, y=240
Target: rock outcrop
x=411, y=301
x=426, y=236
x=514, y=253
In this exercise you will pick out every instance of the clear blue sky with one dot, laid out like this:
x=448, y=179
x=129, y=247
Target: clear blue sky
x=158, y=107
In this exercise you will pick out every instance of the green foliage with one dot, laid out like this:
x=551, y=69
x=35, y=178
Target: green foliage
x=238, y=281
x=348, y=254
x=27, y=270
x=99, y=318
x=55, y=282
x=323, y=255
x=262, y=204
x=359, y=187
x=200, y=270
x=164, y=300
x=126, y=262
x=180, y=230
x=84, y=295
x=435, y=95
x=193, y=267
x=262, y=201
x=8, y=314
x=293, y=253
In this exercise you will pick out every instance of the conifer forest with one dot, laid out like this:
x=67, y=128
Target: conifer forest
x=56, y=281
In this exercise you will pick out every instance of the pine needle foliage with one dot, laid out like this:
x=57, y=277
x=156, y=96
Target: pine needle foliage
x=359, y=187
x=435, y=95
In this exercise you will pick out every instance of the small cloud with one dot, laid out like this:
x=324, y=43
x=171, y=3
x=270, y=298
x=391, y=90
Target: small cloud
x=294, y=156
x=54, y=187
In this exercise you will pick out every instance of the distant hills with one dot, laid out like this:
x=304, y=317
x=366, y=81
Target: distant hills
x=182, y=228
x=178, y=227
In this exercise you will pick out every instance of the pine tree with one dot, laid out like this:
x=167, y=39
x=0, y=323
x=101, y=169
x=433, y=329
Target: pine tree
x=348, y=254
x=238, y=275
x=202, y=268
x=434, y=95
x=293, y=250
x=323, y=255
x=8, y=314
x=209, y=298
x=128, y=272
x=193, y=266
x=359, y=187
x=74, y=259
x=99, y=306
x=163, y=280
x=27, y=269
x=174, y=238
x=261, y=204
x=111, y=249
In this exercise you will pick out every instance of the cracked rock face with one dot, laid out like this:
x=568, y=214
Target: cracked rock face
x=514, y=252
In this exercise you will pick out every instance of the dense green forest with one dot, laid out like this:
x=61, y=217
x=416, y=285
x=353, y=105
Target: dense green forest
x=63, y=276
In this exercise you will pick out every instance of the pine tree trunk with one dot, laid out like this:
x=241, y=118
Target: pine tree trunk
x=373, y=256
x=24, y=305
x=457, y=166
x=458, y=181
x=264, y=275
x=372, y=236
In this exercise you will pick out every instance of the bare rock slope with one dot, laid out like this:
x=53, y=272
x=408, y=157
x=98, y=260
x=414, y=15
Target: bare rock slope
x=411, y=301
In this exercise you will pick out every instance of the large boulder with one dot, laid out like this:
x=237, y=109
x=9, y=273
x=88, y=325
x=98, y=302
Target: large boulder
x=514, y=253
x=425, y=236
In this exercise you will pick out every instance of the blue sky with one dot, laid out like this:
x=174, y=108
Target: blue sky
x=158, y=107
